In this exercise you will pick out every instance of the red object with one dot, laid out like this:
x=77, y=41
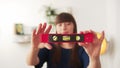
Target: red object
x=88, y=37
x=44, y=38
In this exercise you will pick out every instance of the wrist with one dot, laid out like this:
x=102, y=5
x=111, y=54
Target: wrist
x=94, y=63
x=34, y=50
x=94, y=58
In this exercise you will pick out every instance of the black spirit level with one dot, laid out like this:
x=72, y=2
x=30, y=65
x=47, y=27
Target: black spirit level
x=52, y=38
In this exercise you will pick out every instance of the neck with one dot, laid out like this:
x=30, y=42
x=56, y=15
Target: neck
x=67, y=45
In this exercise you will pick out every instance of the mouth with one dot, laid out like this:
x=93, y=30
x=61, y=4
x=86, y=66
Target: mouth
x=65, y=33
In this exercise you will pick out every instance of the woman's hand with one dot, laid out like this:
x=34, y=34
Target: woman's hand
x=93, y=48
x=36, y=36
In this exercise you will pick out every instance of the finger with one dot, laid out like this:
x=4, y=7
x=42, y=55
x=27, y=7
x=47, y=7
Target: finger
x=48, y=46
x=34, y=32
x=94, y=33
x=81, y=32
x=38, y=30
x=87, y=31
x=102, y=36
x=48, y=29
x=85, y=46
x=43, y=28
x=81, y=44
x=41, y=45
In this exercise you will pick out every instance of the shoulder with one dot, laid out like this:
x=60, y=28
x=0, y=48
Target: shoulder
x=82, y=52
x=83, y=57
x=81, y=49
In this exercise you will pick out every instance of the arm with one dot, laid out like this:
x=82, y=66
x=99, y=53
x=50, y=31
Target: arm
x=94, y=63
x=32, y=58
x=93, y=50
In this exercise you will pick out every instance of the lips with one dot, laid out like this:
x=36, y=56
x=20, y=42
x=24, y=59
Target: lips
x=65, y=32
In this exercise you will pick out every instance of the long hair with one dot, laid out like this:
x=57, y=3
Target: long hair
x=74, y=58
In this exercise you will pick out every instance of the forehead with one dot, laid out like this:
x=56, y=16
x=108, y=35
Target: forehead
x=63, y=22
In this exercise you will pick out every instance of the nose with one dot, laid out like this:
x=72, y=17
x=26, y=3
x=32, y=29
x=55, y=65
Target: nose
x=64, y=27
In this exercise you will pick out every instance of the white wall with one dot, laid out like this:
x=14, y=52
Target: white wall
x=117, y=50
x=90, y=14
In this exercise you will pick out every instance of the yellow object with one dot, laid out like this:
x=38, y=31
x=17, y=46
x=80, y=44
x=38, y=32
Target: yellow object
x=19, y=28
x=77, y=38
x=66, y=38
x=55, y=38
x=104, y=44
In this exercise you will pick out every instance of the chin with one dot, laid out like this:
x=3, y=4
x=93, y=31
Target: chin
x=65, y=33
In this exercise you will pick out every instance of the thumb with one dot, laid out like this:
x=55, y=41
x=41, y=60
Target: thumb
x=102, y=36
x=48, y=46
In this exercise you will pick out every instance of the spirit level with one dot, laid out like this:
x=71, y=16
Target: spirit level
x=52, y=38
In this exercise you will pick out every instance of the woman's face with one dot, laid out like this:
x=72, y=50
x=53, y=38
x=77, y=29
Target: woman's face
x=65, y=28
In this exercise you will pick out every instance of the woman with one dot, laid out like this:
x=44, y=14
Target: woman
x=64, y=55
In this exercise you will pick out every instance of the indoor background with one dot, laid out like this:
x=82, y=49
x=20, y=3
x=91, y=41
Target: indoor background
x=97, y=15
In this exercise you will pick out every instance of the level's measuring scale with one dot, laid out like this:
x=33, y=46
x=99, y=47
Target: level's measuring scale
x=51, y=38
x=66, y=38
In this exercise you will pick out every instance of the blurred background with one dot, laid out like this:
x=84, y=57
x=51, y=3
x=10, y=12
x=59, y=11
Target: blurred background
x=19, y=17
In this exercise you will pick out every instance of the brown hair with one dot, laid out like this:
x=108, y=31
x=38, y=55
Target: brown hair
x=66, y=17
x=74, y=58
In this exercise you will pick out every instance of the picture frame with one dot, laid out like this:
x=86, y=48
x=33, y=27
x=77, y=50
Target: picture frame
x=19, y=29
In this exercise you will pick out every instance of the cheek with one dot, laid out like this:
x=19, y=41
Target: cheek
x=71, y=28
x=58, y=29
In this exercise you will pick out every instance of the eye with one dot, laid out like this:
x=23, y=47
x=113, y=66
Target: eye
x=59, y=24
x=68, y=23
